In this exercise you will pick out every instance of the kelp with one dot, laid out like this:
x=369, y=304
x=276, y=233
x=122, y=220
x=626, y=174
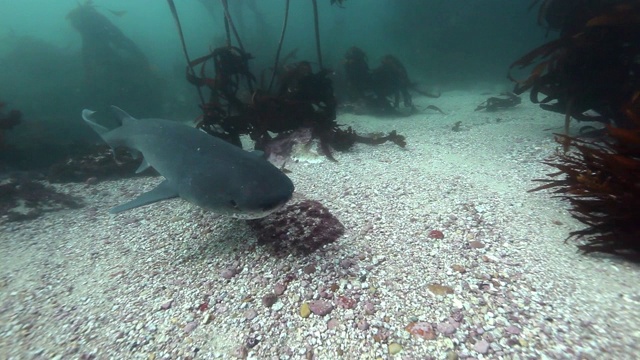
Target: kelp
x=592, y=73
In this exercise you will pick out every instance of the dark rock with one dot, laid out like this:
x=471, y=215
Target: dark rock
x=309, y=269
x=269, y=299
x=279, y=289
x=229, y=273
x=301, y=227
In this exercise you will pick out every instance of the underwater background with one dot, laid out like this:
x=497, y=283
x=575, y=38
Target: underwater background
x=444, y=45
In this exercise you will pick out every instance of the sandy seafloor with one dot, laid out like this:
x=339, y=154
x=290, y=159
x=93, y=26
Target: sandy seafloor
x=83, y=284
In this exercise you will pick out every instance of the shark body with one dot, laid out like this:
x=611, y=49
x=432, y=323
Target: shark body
x=198, y=167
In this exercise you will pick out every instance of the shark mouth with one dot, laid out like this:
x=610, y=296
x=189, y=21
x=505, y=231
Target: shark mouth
x=258, y=214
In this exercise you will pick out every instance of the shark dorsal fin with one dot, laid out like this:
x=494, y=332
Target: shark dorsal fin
x=87, y=116
x=122, y=116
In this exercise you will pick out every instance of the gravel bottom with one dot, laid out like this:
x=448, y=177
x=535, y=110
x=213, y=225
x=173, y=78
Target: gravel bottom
x=441, y=239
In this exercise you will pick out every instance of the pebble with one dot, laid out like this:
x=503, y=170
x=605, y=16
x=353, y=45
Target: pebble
x=446, y=328
x=345, y=302
x=190, y=327
x=277, y=306
x=476, y=244
x=250, y=314
x=346, y=263
x=362, y=325
x=207, y=318
x=320, y=307
x=440, y=289
x=239, y=352
x=228, y=273
x=481, y=346
x=269, y=299
x=309, y=269
x=422, y=329
x=166, y=305
x=251, y=342
x=332, y=324
x=523, y=342
x=279, y=289
x=394, y=348
x=305, y=311
x=369, y=308
x=513, y=330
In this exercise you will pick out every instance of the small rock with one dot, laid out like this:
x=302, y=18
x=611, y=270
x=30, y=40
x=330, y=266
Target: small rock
x=481, y=346
x=320, y=307
x=440, y=289
x=346, y=263
x=369, y=308
x=513, y=330
x=279, y=289
x=250, y=314
x=305, y=311
x=309, y=269
x=345, y=302
x=167, y=305
x=325, y=294
x=207, y=318
x=452, y=355
x=229, y=273
x=269, y=299
x=332, y=324
x=476, y=244
x=362, y=325
x=394, y=348
x=459, y=268
x=251, y=342
x=190, y=327
x=446, y=328
x=240, y=352
x=421, y=329
x=436, y=234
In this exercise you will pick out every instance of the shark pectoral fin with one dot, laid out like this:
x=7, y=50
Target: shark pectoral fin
x=144, y=166
x=163, y=191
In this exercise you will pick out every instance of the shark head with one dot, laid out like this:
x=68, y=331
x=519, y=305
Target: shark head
x=270, y=198
x=252, y=188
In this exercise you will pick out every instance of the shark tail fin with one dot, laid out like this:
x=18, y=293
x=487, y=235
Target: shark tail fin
x=87, y=117
x=122, y=115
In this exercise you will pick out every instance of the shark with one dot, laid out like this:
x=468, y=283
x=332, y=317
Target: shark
x=197, y=167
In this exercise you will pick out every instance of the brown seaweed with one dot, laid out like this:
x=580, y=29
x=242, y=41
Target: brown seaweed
x=593, y=68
